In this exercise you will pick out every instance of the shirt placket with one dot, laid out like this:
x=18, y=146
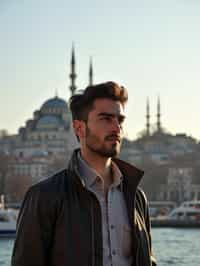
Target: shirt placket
x=111, y=226
x=98, y=190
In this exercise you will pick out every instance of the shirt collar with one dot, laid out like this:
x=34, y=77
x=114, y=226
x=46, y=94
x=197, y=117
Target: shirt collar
x=89, y=175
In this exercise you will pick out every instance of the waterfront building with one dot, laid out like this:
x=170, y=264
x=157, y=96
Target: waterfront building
x=179, y=185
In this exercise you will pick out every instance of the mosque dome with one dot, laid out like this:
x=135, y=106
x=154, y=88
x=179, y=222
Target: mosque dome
x=54, y=104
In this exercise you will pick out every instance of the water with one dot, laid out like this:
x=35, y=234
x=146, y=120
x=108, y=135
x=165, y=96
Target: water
x=5, y=251
x=176, y=247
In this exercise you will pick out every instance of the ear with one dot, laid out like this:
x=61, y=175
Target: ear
x=79, y=128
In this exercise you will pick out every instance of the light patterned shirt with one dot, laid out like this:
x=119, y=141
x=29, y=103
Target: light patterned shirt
x=116, y=229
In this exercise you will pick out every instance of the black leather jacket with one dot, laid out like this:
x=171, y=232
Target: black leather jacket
x=60, y=221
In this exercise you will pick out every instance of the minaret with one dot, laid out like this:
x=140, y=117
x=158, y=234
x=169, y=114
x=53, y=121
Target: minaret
x=148, y=118
x=90, y=73
x=158, y=116
x=73, y=72
x=56, y=93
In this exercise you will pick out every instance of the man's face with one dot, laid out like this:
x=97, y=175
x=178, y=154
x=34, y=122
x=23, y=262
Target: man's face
x=104, y=128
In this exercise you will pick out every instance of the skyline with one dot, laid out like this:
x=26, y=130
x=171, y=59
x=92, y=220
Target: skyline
x=150, y=48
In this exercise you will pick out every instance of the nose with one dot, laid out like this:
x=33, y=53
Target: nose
x=117, y=127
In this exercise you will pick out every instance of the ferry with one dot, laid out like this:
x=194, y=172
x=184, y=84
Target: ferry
x=8, y=219
x=187, y=215
x=188, y=210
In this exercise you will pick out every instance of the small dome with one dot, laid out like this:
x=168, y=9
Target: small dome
x=55, y=103
x=48, y=121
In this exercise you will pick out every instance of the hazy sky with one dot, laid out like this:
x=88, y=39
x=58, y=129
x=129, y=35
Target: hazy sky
x=152, y=47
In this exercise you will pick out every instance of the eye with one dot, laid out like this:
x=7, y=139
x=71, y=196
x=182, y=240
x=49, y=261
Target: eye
x=106, y=118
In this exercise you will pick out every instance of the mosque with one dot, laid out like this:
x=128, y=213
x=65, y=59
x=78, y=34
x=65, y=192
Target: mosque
x=47, y=136
x=50, y=129
x=170, y=161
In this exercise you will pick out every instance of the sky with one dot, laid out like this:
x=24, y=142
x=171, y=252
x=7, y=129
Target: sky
x=150, y=47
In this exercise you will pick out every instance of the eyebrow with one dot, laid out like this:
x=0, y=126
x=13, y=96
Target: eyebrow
x=122, y=117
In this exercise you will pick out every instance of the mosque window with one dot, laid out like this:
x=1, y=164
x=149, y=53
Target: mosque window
x=172, y=195
x=164, y=195
x=192, y=195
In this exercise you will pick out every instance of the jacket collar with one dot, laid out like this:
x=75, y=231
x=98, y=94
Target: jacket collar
x=130, y=173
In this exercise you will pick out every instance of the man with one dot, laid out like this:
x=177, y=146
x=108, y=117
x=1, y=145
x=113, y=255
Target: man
x=91, y=213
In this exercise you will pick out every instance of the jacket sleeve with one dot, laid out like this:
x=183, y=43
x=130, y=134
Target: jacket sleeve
x=145, y=213
x=34, y=227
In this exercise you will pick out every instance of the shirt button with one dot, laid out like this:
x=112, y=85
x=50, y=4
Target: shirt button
x=114, y=252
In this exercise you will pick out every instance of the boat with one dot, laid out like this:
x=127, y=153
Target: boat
x=187, y=215
x=8, y=219
x=157, y=208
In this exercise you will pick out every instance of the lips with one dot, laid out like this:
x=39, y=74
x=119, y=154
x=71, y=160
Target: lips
x=113, y=138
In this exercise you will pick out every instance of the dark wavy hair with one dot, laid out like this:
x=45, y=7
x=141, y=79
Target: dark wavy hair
x=82, y=103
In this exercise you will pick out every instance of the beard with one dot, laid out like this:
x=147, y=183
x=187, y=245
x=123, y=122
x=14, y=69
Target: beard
x=102, y=148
